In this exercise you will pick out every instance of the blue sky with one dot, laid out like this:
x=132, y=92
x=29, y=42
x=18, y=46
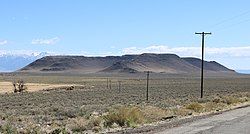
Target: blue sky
x=117, y=27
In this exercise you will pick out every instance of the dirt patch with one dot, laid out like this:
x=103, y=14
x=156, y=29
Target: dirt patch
x=7, y=87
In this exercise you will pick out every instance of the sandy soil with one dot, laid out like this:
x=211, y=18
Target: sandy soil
x=7, y=87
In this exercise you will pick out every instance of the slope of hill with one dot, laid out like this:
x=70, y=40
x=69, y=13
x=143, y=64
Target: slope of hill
x=208, y=65
x=119, y=67
x=164, y=63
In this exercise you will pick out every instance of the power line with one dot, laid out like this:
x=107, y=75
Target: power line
x=231, y=18
x=211, y=27
x=230, y=26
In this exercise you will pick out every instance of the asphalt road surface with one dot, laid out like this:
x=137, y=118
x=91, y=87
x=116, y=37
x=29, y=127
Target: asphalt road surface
x=231, y=122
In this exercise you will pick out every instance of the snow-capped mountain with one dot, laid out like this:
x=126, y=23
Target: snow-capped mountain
x=10, y=61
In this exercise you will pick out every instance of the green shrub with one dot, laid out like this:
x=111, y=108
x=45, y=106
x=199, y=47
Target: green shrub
x=8, y=129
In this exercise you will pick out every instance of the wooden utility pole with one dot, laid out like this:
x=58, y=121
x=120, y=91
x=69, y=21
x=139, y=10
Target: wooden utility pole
x=110, y=84
x=147, y=84
x=107, y=83
x=119, y=86
x=202, y=62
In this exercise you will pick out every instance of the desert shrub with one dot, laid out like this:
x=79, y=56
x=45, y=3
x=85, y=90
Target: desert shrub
x=60, y=131
x=8, y=129
x=95, y=124
x=155, y=113
x=2, y=116
x=197, y=107
x=66, y=112
x=70, y=88
x=213, y=106
x=124, y=116
x=243, y=99
x=216, y=100
x=31, y=129
x=78, y=124
x=182, y=112
x=203, y=100
x=19, y=86
x=248, y=95
x=230, y=100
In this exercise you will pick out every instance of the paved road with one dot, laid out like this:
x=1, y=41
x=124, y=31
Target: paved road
x=231, y=122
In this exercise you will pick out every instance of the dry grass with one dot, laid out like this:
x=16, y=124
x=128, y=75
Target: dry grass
x=78, y=124
x=230, y=100
x=181, y=112
x=212, y=106
x=195, y=106
x=124, y=116
x=153, y=113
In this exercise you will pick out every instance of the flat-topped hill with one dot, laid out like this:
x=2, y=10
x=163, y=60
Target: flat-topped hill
x=159, y=63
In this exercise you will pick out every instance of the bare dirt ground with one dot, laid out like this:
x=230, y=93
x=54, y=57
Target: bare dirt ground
x=7, y=87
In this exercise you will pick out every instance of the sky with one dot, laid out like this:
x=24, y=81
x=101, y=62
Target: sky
x=118, y=27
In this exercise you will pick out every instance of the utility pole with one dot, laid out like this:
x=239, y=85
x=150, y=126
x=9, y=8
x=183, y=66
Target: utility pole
x=202, y=62
x=147, y=84
x=110, y=84
x=107, y=83
x=119, y=86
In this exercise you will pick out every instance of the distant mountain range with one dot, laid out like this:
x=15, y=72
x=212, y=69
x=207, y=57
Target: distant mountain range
x=159, y=63
x=243, y=71
x=12, y=62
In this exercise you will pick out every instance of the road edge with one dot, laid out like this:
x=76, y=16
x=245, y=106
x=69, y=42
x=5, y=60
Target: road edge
x=151, y=129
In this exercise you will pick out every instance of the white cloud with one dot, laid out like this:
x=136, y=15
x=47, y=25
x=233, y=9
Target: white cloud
x=3, y=42
x=192, y=51
x=45, y=41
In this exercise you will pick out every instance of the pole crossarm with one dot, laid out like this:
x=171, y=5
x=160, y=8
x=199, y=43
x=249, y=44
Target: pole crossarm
x=203, y=33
